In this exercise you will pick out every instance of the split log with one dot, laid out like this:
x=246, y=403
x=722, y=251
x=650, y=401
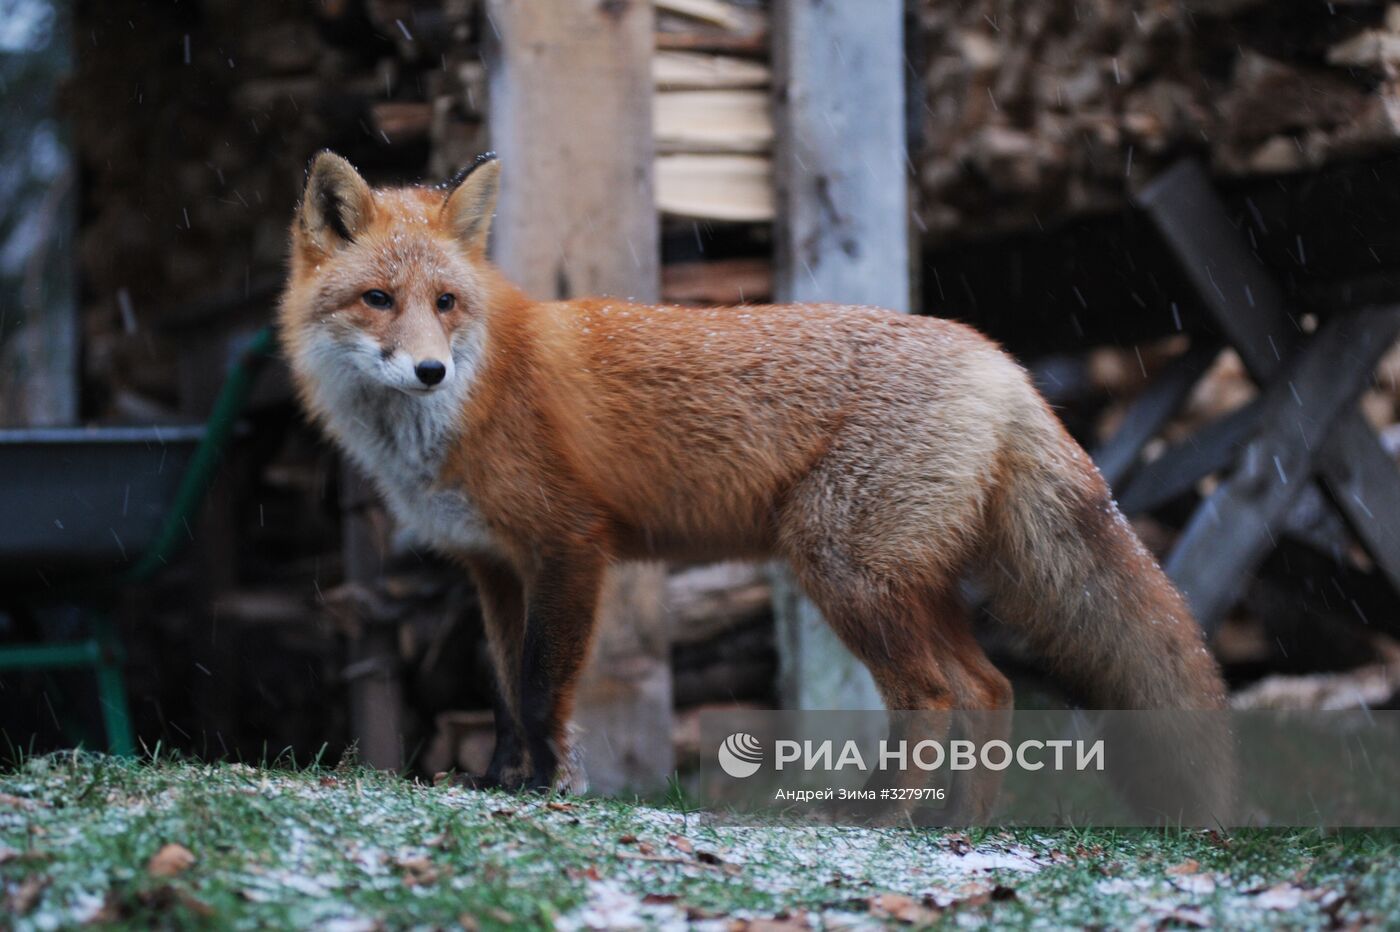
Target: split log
x=400, y=123
x=737, y=121
x=716, y=187
x=723, y=282
x=696, y=71
x=705, y=601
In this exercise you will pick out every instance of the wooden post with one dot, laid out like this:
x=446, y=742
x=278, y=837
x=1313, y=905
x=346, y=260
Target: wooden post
x=841, y=234
x=570, y=92
x=39, y=326
x=373, y=666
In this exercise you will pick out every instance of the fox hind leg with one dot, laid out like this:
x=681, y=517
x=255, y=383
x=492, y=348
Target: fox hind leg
x=919, y=646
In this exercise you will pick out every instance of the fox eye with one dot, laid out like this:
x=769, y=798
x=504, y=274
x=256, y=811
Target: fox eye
x=446, y=302
x=377, y=299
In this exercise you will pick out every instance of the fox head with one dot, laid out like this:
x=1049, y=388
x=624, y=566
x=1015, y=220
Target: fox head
x=388, y=286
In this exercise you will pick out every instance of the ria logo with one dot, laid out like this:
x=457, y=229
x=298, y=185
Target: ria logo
x=740, y=755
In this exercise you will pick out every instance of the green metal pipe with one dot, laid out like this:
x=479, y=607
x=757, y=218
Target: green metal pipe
x=51, y=656
x=207, y=456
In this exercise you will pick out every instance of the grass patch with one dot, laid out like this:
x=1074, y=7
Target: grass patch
x=81, y=838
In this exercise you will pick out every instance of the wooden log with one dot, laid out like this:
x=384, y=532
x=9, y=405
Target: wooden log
x=737, y=665
x=723, y=281
x=841, y=235
x=690, y=41
x=689, y=71
x=735, y=121
x=570, y=90
x=716, y=187
x=704, y=602
x=727, y=16
x=400, y=122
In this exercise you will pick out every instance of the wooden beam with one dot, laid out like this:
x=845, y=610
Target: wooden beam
x=1212, y=448
x=1150, y=411
x=571, y=89
x=841, y=235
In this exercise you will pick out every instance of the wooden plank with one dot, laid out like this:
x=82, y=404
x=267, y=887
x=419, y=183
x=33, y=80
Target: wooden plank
x=1242, y=297
x=1210, y=449
x=697, y=71
x=736, y=121
x=716, y=187
x=570, y=89
x=1240, y=522
x=1149, y=413
x=841, y=235
x=839, y=164
x=1361, y=478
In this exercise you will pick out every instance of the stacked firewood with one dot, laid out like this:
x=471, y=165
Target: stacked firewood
x=191, y=173
x=714, y=137
x=1037, y=110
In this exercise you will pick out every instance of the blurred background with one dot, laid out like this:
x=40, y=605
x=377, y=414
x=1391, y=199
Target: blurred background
x=1028, y=167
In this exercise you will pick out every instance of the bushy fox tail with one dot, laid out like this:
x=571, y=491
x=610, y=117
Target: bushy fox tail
x=1065, y=570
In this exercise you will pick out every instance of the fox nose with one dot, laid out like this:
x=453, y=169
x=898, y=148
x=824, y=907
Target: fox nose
x=430, y=371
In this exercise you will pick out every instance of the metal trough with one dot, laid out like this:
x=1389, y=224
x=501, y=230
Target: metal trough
x=74, y=499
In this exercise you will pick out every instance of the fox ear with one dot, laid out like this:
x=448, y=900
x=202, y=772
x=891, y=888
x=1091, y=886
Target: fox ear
x=337, y=204
x=472, y=203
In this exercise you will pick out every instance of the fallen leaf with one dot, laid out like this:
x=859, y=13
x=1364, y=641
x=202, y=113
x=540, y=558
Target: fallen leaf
x=468, y=922
x=170, y=860
x=27, y=894
x=1199, y=884
x=659, y=899
x=958, y=843
x=627, y=840
x=1282, y=896
x=587, y=873
x=903, y=909
x=1188, y=866
x=418, y=871
x=19, y=802
x=682, y=844
x=1185, y=916
x=560, y=807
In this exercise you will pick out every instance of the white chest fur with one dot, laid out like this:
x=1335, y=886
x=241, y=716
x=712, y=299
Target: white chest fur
x=401, y=442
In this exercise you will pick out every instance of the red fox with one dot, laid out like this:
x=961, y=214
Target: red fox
x=882, y=456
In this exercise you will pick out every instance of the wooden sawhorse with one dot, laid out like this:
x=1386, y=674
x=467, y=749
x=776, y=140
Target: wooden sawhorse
x=1300, y=458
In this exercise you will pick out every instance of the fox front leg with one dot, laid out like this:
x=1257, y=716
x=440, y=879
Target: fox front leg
x=502, y=597
x=562, y=603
